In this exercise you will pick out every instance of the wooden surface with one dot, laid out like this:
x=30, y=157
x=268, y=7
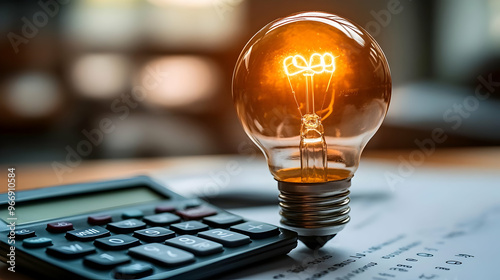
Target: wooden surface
x=31, y=176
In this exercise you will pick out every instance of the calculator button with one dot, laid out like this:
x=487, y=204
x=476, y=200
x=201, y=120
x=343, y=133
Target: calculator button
x=87, y=234
x=24, y=233
x=256, y=230
x=99, y=219
x=71, y=251
x=154, y=234
x=225, y=237
x=162, y=219
x=37, y=242
x=59, y=227
x=195, y=245
x=222, y=220
x=191, y=203
x=117, y=242
x=126, y=226
x=164, y=208
x=133, y=271
x=106, y=260
x=162, y=254
x=196, y=213
x=190, y=227
x=132, y=214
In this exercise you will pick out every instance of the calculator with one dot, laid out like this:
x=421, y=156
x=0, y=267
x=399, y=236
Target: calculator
x=129, y=229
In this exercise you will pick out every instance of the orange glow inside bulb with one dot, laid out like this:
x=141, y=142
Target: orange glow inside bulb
x=311, y=90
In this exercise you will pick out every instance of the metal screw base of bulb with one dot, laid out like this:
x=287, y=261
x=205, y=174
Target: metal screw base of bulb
x=316, y=211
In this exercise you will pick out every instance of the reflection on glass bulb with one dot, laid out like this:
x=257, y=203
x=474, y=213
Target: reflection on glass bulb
x=310, y=90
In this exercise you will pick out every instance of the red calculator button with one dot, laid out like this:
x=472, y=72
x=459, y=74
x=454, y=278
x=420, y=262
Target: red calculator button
x=196, y=213
x=59, y=227
x=99, y=220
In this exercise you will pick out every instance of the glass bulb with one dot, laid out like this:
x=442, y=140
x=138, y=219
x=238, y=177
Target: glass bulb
x=310, y=90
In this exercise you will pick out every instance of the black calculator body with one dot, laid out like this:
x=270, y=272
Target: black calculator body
x=129, y=229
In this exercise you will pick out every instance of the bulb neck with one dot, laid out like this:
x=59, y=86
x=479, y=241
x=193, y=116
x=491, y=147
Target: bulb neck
x=315, y=209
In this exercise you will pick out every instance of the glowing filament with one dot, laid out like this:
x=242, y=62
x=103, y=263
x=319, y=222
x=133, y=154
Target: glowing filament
x=313, y=159
x=318, y=64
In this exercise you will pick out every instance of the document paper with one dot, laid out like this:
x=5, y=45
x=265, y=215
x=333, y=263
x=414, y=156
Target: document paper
x=435, y=223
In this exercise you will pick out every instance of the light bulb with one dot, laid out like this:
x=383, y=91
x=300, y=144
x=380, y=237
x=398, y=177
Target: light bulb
x=310, y=90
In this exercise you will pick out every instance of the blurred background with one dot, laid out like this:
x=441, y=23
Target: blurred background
x=70, y=70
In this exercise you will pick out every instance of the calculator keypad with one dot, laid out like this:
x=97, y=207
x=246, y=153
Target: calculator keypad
x=145, y=242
